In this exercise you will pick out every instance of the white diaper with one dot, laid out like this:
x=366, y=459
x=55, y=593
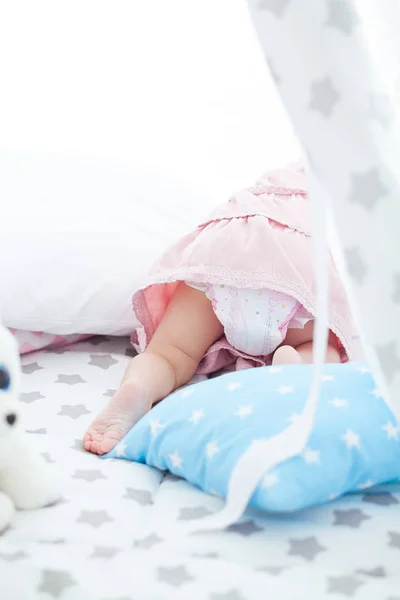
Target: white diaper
x=255, y=321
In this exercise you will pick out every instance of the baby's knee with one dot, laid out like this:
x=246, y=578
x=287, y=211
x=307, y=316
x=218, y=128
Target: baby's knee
x=182, y=364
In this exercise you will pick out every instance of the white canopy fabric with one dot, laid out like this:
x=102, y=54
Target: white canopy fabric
x=345, y=118
x=325, y=64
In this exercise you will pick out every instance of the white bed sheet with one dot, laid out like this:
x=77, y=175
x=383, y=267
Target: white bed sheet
x=110, y=538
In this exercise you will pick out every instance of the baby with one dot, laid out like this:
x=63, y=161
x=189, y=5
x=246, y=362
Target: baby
x=237, y=292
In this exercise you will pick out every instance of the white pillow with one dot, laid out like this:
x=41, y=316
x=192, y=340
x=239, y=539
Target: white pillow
x=122, y=125
x=74, y=275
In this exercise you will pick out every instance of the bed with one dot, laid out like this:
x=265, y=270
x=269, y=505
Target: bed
x=113, y=535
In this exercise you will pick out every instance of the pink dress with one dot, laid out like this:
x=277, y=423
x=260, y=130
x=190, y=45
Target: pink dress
x=253, y=259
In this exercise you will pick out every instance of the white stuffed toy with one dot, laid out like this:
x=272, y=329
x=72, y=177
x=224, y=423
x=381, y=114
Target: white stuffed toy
x=26, y=480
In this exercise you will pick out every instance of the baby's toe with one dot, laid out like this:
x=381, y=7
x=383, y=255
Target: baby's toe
x=91, y=442
x=106, y=445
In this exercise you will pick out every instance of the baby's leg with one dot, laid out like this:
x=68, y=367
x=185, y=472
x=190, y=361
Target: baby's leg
x=297, y=349
x=287, y=355
x=188, y=329
x=305, y=353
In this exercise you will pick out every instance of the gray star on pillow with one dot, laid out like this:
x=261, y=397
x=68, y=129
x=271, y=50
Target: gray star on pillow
x=75, y=411
x=47, y=457
x=231, y=595
x=88, y=474
x=276, y=7
x=209, y=555
x=308, y=548
x=31, y=368
x=70, y=379
x=271, y=570
x=143, y=497
x=104, y=552
x=324, y=96
x=174, y=576
x=78, y=445
x=394, y=539
x=29, y=397
x=41, y=430
x=380, y=109
x=377, y=572
x=367, y=188
x=104, y=361
x=95, y=518
x=342, y=16
x=109, y=393
x=13, y=556
x=381, y=499
x=246, y=529
x=347, y=585
x=54, y=583
x=148, y=542
x=196, y=512
x=352, y=517
x=356, y=264
x=389, y=359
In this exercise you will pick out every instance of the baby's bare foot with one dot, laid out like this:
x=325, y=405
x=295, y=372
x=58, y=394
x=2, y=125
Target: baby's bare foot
x=126, y=408
x=286, y=355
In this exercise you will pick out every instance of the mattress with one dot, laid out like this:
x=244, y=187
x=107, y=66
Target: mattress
x=115, y=534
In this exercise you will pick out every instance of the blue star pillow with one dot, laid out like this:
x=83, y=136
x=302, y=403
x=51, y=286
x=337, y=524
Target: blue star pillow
x=200, y=432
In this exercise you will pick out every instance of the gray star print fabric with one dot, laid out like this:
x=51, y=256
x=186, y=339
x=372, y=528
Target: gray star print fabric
x=106, y=539
x=343, y=108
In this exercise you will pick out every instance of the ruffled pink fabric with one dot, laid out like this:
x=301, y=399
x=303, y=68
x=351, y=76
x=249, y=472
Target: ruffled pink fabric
x=259, y=239
x=30, y=341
